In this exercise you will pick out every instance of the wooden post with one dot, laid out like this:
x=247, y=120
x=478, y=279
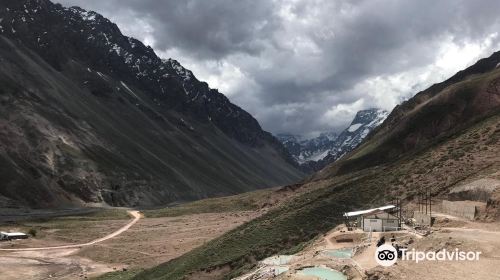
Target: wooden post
x=426, y=201
x=400, y=213
x=420, y=206
x=430, y=205
x=418, y=200
x=421, y=200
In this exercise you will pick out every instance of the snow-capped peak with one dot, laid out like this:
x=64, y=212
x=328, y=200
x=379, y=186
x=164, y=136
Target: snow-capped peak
x=329, y=147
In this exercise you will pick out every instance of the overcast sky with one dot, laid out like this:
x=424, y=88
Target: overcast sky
x=306, y=66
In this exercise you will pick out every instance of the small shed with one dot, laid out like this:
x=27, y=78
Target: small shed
x=376, y=219
x=12, y=235
x=379, y=220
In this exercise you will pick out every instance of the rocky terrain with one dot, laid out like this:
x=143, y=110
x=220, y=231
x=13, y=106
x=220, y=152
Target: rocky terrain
x=90, y=116
x=440, y=139
x=316, y=153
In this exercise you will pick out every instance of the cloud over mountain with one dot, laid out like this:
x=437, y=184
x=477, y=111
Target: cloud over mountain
x=305, y=66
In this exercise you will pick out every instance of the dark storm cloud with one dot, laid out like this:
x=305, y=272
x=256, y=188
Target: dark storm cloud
x=305, y=66
x=208, y=29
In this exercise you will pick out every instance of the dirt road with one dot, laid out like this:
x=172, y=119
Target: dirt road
x=134, y=214
x=57, y=262
x=147, y=243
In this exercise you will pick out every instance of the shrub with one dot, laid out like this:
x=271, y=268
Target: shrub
x=32, y=232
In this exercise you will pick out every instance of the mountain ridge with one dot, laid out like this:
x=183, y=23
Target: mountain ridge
x=442, y=109
x=316, y=153
x=90, y=116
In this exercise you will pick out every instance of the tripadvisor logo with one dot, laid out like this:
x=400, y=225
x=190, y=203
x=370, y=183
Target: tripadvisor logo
x=387, y=255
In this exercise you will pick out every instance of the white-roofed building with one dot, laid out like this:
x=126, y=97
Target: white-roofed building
x=12, y=235
x=361, y=212
x=375, y=219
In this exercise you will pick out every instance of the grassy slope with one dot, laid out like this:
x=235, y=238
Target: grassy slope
x=250, y=201
x=88, y=214
x=241, y=202
x=456, y=158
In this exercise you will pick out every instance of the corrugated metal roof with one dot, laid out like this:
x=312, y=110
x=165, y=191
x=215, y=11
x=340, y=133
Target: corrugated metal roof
x=361, y=212
x=13, y=233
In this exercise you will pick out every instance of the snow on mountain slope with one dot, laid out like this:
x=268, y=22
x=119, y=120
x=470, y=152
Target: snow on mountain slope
x=303, y=149
x=316, y=153
x=364, y=122
x=354, y=127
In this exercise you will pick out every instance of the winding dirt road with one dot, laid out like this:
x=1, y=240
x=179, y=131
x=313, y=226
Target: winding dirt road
x=134, y=214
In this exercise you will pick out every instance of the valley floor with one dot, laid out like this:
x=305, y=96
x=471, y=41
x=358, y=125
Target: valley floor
x=164, y=234
x=148, y=242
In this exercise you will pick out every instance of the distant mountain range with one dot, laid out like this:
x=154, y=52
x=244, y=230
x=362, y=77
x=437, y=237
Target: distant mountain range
x=90, y=116
x=314, y=154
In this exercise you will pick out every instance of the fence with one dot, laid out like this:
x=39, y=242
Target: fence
x=464, y=209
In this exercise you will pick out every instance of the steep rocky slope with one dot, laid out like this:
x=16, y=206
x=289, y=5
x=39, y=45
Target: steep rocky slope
x=90, y=116
x=444, y=136
x=363, y=123
x=314, y=154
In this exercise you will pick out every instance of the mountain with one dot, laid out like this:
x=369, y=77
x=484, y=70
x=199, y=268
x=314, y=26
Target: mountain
x=303, y=150
x=444, y=109
x=316, y=153
x=89, y=115
x=443, y=137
